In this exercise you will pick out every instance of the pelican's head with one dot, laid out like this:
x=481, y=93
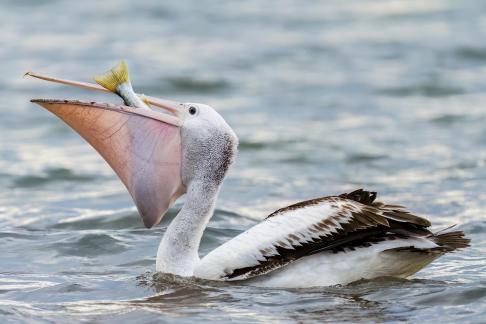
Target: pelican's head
x=208, y=144
x=157, y=155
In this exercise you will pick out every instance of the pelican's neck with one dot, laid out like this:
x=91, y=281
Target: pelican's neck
x=178, y=250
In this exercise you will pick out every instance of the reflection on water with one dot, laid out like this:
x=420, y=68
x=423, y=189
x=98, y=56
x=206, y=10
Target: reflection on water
x=325, y=97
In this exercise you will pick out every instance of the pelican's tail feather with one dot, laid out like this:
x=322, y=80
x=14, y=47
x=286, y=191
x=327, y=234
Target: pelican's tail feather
x=451, y=241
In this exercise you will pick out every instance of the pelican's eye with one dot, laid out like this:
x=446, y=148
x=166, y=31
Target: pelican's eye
x=192, y=110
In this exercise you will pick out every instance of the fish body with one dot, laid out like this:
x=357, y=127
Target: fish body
x=117, y=81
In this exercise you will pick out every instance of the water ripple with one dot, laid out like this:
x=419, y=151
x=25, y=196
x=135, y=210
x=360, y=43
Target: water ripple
x=326, y=97
x=48, y=176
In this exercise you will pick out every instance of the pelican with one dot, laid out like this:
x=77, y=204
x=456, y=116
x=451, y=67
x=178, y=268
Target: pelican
x=188, y=149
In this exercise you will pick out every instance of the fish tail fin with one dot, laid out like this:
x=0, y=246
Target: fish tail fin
x=114, y=77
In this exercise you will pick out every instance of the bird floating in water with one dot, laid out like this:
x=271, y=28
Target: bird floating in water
x=188, y=150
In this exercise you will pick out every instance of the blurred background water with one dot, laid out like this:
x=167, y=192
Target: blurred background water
x=326, y=97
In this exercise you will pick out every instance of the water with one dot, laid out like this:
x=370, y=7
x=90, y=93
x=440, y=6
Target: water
x=326, y=97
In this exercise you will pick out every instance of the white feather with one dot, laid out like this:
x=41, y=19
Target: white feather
x=327, y=268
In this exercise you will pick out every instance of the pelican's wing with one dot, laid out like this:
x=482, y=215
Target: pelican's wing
x=324, y=224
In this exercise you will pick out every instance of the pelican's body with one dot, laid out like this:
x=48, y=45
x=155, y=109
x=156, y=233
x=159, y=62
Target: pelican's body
x=325, y=241
x=328, y=241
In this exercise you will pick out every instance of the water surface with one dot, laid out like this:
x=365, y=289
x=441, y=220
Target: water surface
x=326, y=97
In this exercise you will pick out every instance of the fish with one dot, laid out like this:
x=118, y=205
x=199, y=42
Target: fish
x=117, y=80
